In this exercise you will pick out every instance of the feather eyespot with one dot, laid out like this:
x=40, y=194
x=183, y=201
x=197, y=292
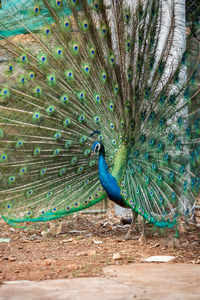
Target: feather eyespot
x=22, y=170
x=76, y=48
x=36, y=151
x=10, y=68
x=112, y=59
x=5, y=92
x=19, y=143
x=23, y=58
x=11, y=179
x=67, y=24
x=114, y=142
x=32, y=75
x=49, y=194
x=111, y=106
x=85, y=25
x=97, y=119
x=69, y=74
x=36, y=10
x=29, y=192
x=58, y=3
x=36, y=116
x=92, y=52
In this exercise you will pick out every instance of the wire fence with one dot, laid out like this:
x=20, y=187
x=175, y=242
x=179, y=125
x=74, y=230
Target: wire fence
x=192, y=9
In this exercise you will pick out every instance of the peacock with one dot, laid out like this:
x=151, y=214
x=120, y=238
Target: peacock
x=96, y=104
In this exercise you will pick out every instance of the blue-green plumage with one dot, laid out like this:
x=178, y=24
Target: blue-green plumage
x=108, y=182
x=101, y=71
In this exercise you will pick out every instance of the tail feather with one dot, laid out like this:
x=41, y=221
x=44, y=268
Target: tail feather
x=102, y=70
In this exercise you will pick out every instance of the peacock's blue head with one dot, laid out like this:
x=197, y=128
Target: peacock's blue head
x=96, y=147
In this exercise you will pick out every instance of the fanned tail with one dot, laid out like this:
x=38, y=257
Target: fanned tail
x=105, y=69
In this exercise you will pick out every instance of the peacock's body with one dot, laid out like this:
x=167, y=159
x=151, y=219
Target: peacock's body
x=97, y=80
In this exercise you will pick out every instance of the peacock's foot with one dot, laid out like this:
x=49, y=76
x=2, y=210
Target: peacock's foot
x=128, y=237
x=142, y=239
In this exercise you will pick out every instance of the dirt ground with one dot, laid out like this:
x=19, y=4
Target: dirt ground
x=82, y=245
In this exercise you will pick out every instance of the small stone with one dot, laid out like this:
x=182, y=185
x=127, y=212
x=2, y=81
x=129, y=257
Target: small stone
x=12, y=258
x=92, y=252
x=67, y=241
x=185, y=244
x=58, y=271
x=155, y=246
x=81, y=254
x=3, y=240
x=198, y=260
x=195, y=243
x=116, y=256
x=71, y=267
x=160, y=258
x=48, y=262
x=42, y=257
x=96, y=242
x=44, y=233
x=120, y=240
x=33, y=237
x=12, y=229
x=16, y=271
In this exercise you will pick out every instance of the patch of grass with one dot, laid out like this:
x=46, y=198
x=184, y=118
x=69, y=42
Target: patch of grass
x=130, y=258
x=108, y=262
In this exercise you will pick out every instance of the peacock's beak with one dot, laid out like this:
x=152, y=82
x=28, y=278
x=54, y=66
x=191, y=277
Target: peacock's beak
x=92, y=153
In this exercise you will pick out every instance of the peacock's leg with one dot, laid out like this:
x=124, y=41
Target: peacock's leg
x=143, y=234
x=129, y=235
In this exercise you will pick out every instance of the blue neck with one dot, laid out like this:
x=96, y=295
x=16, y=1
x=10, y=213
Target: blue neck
x=108, y=182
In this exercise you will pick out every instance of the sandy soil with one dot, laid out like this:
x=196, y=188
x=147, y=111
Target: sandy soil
x=83, y=245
